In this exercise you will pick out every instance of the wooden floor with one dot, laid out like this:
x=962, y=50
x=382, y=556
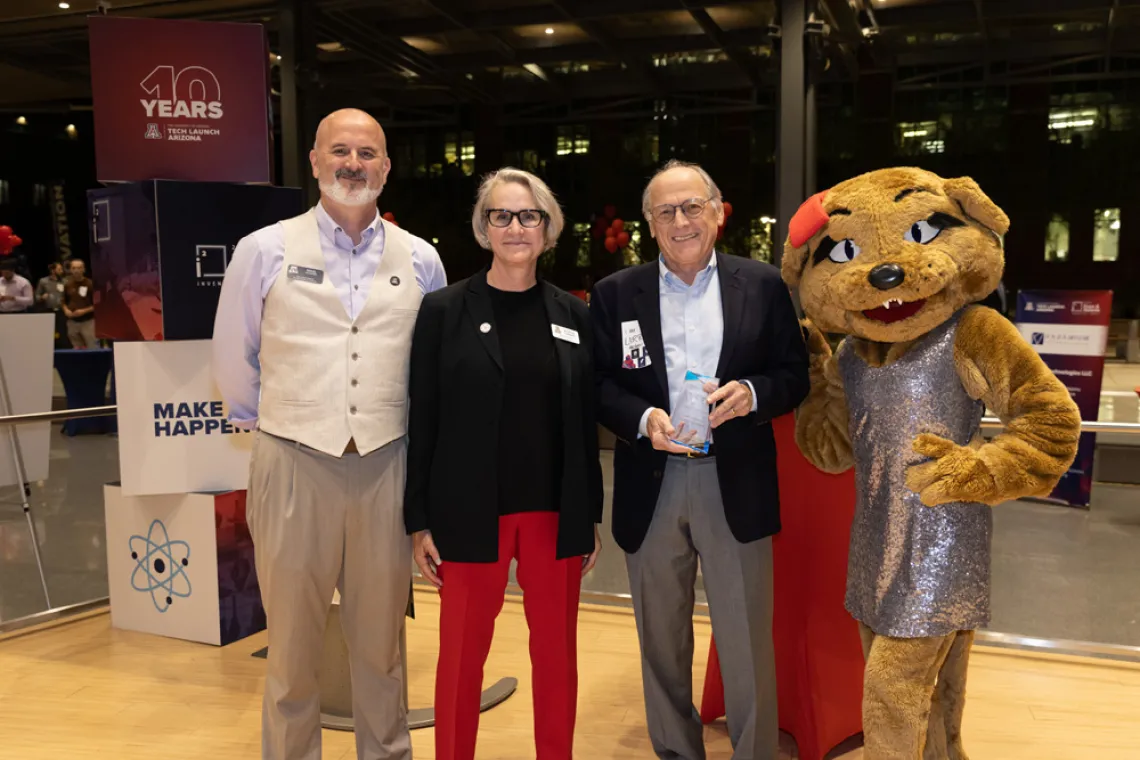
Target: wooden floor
x=83, y=690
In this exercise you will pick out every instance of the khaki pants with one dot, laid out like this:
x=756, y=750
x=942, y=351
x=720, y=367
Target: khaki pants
x=82, y=333
x=320, y=522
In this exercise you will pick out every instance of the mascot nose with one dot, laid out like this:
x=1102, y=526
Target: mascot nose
x=886, y=276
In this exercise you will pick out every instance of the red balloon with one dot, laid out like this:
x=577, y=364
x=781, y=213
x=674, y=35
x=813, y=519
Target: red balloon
x=623, y=239
x=5, y=231
x=618, y=225
x=610, y=210
x=15, y=241
x=611, y=245
x=727, y=209
x=388, y=216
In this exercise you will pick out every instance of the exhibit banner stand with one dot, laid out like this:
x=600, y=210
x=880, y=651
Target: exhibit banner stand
x=1069, y=329
x=182, y=121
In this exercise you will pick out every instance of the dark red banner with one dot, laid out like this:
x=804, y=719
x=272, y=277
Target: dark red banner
x=183, y=100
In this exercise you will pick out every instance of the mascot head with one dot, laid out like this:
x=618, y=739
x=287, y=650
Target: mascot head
x=889, y=255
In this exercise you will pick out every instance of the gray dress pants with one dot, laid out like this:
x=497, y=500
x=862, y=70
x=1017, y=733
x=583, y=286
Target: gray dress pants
x=688, y=524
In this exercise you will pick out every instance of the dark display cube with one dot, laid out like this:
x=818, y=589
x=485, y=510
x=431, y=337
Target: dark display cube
x=159, y=251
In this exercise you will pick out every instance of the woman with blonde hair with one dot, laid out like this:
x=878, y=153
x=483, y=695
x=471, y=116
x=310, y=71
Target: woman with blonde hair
x=503, y=463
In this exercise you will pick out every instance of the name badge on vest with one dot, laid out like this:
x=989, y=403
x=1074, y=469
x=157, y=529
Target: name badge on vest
x=565, y=333
x=305, y=274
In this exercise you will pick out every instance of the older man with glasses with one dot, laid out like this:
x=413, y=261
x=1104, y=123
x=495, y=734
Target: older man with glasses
x=696, y=354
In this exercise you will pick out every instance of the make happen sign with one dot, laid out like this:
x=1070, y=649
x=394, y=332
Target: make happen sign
x=174, y=433
x=180, y=99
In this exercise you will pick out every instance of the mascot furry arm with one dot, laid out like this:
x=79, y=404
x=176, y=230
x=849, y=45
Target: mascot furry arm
x=941, y=237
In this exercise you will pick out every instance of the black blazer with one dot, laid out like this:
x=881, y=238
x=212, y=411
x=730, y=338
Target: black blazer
x=456, y=392
x=762, y=343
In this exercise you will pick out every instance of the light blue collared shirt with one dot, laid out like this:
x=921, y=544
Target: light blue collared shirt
x=692, y=329
x=256, y=262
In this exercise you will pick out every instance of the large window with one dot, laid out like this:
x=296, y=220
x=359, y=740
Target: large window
x=572, y=139
x=1057, y=239
x=1065, y=123
x=1106, y=235
x=460, y=150
x=916, y=137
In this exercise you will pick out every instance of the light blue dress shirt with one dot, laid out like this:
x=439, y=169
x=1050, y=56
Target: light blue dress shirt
x=692, y=329
x=254, y=267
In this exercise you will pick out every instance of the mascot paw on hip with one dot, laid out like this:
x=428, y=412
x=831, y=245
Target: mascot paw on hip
x=895, y=260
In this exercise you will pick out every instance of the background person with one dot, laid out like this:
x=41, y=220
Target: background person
x=15, y=291
x=79, y=306
x=503, y=463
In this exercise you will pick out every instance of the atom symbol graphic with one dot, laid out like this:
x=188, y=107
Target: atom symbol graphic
x=161, y=570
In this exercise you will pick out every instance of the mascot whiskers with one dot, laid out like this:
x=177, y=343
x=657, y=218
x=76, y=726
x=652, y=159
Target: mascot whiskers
x=895, y=261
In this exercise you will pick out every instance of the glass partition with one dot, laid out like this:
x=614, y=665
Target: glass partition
x=67, y=512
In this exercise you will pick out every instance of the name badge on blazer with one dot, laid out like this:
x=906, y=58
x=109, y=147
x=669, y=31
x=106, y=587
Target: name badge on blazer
x=565, y=333
x=634, y=353
x=305, y=274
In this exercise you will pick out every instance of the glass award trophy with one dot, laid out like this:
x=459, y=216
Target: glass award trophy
x=690, y=417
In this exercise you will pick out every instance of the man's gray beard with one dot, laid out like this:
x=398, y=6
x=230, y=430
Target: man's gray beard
x=342, y=195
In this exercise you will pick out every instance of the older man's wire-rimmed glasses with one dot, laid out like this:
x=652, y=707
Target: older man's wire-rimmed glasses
x=528, y=217
x=667, y=212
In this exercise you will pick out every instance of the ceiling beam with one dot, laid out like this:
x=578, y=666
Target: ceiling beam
x=544, y=14
x=617, y=50
x=587, y=51
x=369, y=41
x=735, y=53
x=965, y=14
x=1019, y=50
x=448, y=10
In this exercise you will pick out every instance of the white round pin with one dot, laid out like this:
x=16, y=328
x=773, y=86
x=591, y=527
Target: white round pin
x=485, y=327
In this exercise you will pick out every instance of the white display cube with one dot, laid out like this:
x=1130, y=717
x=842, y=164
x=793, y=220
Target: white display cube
x=182, y=565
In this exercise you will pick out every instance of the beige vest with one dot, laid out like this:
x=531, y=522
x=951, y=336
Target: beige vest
x=325, y=378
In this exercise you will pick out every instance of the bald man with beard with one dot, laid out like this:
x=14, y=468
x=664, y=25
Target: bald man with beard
x=311, y=346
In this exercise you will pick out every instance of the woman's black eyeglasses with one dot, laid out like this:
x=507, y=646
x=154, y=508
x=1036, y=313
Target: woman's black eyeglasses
x=528, y=217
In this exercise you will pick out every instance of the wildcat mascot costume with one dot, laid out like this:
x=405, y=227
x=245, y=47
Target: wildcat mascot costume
x=894, y=260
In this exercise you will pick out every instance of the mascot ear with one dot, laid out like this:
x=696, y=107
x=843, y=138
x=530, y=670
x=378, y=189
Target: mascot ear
x=977, y=204
x=807, y=221
x=792, y=264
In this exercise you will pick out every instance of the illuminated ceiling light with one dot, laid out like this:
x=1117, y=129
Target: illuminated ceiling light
x=64, y=6
x=278, y=56
x=71, y=128
x=21, y=120
x=550, y=30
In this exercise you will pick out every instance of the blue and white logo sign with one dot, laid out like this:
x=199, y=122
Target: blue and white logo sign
x=160, y=566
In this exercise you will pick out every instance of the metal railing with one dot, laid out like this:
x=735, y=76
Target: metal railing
x=597, y=597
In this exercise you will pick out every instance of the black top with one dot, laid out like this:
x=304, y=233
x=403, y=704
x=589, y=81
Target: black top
x=458, y=402
x=530, y=425
x=762, y=343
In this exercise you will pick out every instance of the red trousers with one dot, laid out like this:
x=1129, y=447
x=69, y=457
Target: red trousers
x=470, y=600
